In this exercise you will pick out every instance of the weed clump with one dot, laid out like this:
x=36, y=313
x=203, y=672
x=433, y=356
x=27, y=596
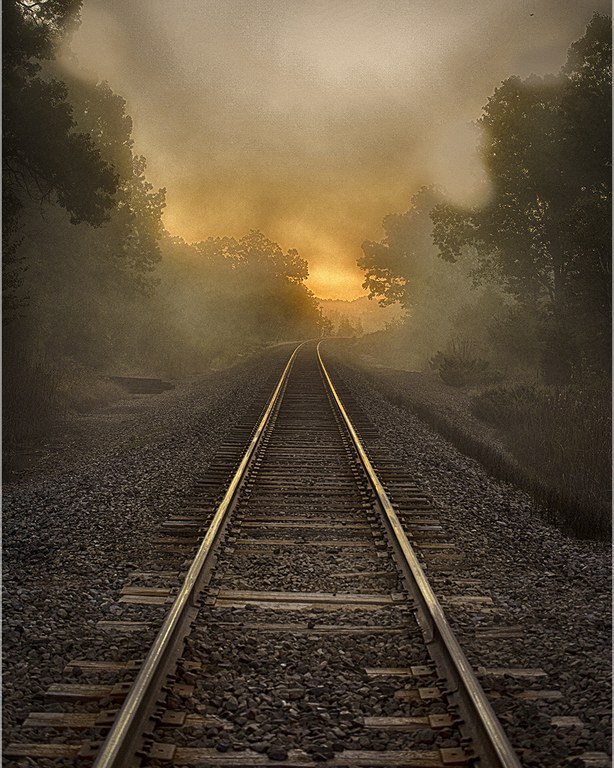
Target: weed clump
x=505, y=405
x=39, y=393
x=461, y=366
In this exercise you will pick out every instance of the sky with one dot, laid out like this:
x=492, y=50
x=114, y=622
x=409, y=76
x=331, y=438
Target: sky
x=311, y=120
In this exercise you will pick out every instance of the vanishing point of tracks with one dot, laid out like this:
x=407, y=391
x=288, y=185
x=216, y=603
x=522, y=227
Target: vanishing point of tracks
x=300, y=630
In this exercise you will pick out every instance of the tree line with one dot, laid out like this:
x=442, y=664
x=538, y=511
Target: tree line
x=92, y=282
x=526, y=277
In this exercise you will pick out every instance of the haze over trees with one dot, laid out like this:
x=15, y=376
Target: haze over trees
x=358, y=316
x=517, y=291
x=92, y=282
x=533, y=265
x=514, y=292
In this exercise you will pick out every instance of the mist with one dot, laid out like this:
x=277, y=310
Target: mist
x=189, y=184
x=404, y=206
x=312, y=121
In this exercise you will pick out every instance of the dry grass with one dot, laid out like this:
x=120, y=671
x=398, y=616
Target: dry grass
x=562, y=436
x=31, y=404
x=557, y=448
x=38, y=393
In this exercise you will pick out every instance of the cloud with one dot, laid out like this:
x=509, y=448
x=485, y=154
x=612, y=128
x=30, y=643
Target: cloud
x=313, y=120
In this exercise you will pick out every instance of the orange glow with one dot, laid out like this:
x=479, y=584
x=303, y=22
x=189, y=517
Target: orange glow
x=336, y=284
x=312, y=121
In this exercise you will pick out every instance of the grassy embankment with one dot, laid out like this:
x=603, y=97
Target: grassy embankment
x=38, y=393
x=554, y=442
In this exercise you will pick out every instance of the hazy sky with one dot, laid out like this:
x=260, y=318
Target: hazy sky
x=312, y=119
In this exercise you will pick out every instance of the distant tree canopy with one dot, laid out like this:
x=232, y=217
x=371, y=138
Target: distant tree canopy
x=395, y=267
x=91, y=278
x=45, y=159
x=439, y=298
x=544, y=235
x=249, y=289
x=258, y=254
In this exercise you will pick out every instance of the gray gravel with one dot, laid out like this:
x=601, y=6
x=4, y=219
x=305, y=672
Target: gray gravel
x=78, y=523
x=81, y=518
x=556, y=588
x=307, y=692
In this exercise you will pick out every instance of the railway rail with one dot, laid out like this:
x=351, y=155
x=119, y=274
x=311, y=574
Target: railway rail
x=300, y=629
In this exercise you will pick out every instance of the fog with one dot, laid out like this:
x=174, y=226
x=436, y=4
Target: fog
x=190, y=183
x=311, y=121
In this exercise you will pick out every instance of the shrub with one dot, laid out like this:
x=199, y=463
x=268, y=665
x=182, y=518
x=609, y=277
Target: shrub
x=81, y=390
x=30, y=400
x=461, y=367
x=503, y=405
x=38, y=393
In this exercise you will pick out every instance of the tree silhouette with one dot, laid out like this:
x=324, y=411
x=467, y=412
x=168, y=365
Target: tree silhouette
x=43, y=157
x=545, y=231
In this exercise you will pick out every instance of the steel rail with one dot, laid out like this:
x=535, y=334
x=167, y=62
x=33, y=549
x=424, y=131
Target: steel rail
x=120, y=747
x=491, y=739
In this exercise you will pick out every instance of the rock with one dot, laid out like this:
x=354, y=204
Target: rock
x=277, y=752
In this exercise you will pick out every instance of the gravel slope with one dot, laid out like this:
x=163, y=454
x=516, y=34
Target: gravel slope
x=81, y=519
x=556, y=588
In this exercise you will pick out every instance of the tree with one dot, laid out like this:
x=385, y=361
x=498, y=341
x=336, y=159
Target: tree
x=134, y=227
x=395, y=267
x=44, y=158
x=545, y=232
x=439, y=299
x=83, y=282
x=256, y=251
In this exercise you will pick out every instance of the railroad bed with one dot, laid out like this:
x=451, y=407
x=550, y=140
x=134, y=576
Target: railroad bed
x=300, y=629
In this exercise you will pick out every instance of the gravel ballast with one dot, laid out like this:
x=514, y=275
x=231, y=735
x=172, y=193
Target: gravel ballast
x=81, y=520
x=556, y=588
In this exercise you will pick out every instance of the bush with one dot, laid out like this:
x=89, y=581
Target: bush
x=81, y=390
x=503, y=406
x=38, y=393
x=461, y=367
x=30, y=399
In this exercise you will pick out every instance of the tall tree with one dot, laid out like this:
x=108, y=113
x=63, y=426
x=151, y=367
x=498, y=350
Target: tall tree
x=82, y=281
x=439, y=299
x=43, y=157
x=545, y=231
x=396, y=266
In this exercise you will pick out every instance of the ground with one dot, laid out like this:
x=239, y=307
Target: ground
x=78, y=519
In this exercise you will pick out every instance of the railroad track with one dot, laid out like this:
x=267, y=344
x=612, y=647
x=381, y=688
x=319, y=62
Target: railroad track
x=300, y=628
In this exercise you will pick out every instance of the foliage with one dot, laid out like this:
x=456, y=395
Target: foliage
x=396, y=266
x=39, y=391
x=545, y=234
x=44, y=157
x=231, y=294
x=84, y=273
x=78, y=281
x=135, y=226
x=507, y=404
x=440, y=300
x=516, y=338
x=30, y=398
x=460, y=366
x=562, y=436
